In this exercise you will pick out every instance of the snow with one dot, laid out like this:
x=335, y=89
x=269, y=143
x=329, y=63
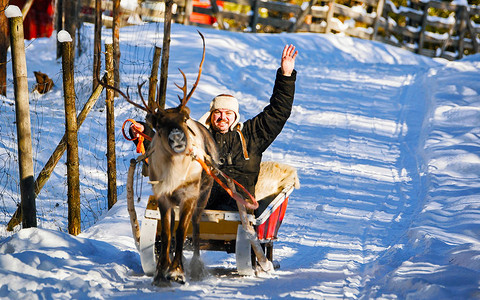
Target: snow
x=386, y=143
x=63, y=36
x=12, y=11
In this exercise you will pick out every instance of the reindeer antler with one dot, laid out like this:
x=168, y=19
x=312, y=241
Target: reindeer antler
x=183, y=102
x=127, y=96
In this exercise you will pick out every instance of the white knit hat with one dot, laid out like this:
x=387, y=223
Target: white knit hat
x=222, y=101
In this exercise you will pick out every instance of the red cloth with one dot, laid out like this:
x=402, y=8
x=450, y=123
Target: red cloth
x=39, y=20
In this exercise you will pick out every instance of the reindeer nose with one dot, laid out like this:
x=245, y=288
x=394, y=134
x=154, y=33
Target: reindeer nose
x=177, y=140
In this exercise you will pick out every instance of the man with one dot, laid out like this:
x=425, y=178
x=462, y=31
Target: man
x=241, y=145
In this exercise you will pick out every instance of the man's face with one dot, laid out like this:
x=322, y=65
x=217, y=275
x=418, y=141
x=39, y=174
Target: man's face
x=222, y=119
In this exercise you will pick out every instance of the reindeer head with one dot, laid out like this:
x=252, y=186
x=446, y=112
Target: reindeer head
x=170, y=124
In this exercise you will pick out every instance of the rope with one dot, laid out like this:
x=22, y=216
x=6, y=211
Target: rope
x=234, y=195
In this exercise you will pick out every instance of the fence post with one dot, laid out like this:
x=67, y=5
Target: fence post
x=217, y=14
x=59, y=23
x=73, y=177
x=188, y=12
x=152, y=85
x=116, y=43
x=379, y=11
x=111, y=158
x=4, y=42
x=167, y=25
x=423, y=25
x=97, y=43
x=47, y=170
x=22, y=112
x=254, y=19
x=70, y=16
x=331, y=10
x=463, y=13
x=301, y=17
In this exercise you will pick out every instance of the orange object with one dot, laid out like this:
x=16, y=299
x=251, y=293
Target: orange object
x=203, y=18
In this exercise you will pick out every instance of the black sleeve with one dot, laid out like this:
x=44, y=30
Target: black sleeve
x=265, y=127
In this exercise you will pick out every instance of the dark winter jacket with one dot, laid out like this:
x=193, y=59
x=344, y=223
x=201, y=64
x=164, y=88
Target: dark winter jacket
x=259, y=132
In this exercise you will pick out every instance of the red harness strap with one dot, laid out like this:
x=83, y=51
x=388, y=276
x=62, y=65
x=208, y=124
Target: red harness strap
x=137, y=129
x=253, y=205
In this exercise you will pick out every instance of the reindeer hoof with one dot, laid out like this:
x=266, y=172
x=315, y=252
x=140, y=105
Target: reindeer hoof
x=198, y=270
x=161, y=281
x=177, y=276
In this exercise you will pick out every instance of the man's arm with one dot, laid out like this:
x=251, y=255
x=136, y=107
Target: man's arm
x=265, y=127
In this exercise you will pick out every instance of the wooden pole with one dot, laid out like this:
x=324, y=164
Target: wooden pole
x=26, y=8
x=331, y=10
x=302, y=15
x=152, y=87
x=216, y=13
x=462, y=27
x=167, y=25
x=47, y=170
x=421, y=36
x=22, y=111
x=116, y=43
x=4, y=44
x=254, y=19
x=70, y=10
x=379, y=14
x=59, y=23
x=111, y=158
x=97, y=42
x=73, y=177
x=188, y=12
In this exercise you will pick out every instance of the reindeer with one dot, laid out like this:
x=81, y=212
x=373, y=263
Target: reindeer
x=177, y=178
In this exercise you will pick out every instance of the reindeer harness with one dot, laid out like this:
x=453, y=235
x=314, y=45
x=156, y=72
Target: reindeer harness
x=207, y=165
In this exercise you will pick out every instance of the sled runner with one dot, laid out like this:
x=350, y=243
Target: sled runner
x=220, y=231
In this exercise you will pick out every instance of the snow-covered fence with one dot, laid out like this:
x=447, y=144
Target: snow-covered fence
x=431, y=28
x=423, y=31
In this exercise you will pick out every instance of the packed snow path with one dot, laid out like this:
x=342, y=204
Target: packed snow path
x=387, y=148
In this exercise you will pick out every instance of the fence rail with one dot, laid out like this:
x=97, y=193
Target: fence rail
x=415, y=28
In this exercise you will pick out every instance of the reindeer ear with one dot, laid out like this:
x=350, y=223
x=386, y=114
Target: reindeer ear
x=186, y=111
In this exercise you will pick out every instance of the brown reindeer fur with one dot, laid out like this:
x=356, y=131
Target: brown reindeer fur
x=179, y=180
x=273, y=178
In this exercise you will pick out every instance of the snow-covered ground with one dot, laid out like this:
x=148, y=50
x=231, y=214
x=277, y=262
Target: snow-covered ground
x=386, y=144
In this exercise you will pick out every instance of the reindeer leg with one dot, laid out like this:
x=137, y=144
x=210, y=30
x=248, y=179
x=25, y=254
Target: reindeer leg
x=163, y=262
x=198, y=270
x=176, y=272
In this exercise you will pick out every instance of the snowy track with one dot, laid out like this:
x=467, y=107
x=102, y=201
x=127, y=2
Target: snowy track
x=387, y=148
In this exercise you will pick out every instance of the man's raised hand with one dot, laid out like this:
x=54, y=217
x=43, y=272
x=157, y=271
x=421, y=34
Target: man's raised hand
x=288, y=59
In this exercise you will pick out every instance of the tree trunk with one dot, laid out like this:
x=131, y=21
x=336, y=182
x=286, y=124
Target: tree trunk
x=97, y=43
x=167, y=25
x=116, y=43
x=152, y=87
x=22, y=111
x=4, y=44
x=59, y=24
x=70, y=13
x=73, y=177
x=111, y=159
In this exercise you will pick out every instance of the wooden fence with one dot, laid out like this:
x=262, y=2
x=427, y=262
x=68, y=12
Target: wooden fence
x=434, y=28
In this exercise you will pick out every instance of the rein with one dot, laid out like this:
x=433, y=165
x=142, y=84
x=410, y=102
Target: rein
x=211, y=172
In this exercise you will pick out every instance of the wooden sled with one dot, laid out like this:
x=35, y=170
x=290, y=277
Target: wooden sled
x=219, y=231
x=222, y=230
